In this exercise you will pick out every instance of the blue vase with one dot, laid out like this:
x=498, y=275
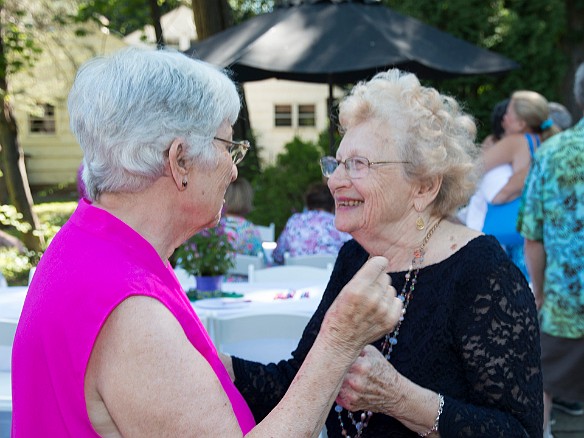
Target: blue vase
x=209, y=283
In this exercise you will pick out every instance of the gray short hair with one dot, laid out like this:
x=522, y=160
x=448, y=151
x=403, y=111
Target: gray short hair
x=429, y=130
x=560, y=115
x=579, y=86
x=127, y=108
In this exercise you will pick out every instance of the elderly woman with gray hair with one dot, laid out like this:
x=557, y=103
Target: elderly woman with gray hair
x=108, y=343
x=464, y=359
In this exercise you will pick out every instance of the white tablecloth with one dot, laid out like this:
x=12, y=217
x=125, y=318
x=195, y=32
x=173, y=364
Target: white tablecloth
x=258, y=298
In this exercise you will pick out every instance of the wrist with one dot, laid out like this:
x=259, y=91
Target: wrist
x=434, y=428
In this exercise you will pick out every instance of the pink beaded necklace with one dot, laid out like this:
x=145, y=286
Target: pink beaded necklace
x=390, y=339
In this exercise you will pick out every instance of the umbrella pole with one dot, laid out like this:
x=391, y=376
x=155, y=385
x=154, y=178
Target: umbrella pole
x=330, y=118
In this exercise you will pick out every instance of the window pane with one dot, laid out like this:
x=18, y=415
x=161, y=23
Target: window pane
x=306, y=115
x=43, y=124
x=283, y=115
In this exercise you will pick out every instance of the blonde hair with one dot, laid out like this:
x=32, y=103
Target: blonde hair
x=533, y=109
x=429, y=130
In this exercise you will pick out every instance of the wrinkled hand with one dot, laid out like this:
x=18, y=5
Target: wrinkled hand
x=370, y=384
x=366, y=308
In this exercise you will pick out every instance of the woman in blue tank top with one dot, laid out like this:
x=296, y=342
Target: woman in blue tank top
x=526, y=124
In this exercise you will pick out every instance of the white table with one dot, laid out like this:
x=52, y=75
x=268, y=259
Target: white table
x=262, y=299
x=299, y=297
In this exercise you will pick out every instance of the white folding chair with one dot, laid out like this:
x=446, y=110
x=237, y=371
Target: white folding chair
x=7, y=331
x=243, y=263
x=326, y=261
x=259, y=337
x=280, y=274
x=268, y=234
x=31, y=274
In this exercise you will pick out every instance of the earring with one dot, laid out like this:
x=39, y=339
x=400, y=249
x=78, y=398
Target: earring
x=420, y=225
x=184, y=183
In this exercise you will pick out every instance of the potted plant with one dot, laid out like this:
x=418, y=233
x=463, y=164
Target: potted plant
x=208, y=255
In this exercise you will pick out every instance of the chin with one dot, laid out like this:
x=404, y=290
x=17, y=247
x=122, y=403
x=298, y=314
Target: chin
x=344, y=227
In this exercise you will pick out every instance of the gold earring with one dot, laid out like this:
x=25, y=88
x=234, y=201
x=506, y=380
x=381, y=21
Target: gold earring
x=420, y=225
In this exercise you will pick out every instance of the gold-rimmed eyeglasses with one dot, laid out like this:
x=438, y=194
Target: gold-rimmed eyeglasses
x=356, y=167
x=237, y=149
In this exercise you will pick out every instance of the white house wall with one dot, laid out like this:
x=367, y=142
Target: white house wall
x=262, y=96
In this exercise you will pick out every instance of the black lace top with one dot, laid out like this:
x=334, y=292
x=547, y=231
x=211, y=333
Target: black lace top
x=470, y=333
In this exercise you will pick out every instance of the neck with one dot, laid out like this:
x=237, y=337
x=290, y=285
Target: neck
x=150, y=214
x=400, y=250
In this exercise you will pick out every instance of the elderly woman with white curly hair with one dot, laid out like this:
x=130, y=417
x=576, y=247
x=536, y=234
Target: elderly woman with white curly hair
x=108, y=343
x=464, y=359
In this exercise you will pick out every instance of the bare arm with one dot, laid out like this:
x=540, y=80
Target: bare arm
x=511, y=149
x=502, y=152
x=535, y=259
x=152, y=381
x=513, y=188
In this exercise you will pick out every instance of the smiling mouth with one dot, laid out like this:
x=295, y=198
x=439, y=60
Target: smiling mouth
x=349, y=203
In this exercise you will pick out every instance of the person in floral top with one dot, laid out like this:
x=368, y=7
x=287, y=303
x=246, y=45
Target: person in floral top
x=312, y=231
x=552, y=223
x=243, y=234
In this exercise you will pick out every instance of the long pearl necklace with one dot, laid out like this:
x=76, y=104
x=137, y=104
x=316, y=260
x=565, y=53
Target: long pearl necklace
x=390, y=339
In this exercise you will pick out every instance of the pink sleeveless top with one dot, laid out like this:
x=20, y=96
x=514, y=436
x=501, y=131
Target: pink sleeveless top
x=92, y=265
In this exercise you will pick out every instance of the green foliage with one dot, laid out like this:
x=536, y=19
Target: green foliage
x=19, y=49
x=246, y=9
x=123, y=16
x=209, y=252
x=279, y=190
x=15, y=266
x=530, y=33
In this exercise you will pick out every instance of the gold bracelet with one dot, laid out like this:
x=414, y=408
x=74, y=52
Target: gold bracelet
x=435, y=427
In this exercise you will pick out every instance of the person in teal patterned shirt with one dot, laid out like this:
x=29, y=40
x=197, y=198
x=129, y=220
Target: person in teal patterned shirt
x=551, y=220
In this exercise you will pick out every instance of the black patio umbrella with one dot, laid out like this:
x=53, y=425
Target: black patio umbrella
x=341, y=42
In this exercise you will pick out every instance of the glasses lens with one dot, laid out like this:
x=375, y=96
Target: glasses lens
x=238, y=152
x=357, y=167
x=328, y=165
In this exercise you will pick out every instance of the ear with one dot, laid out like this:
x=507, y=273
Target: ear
x=178, y=164
x=426, y=193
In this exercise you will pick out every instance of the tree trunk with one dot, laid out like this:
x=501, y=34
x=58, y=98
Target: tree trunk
x=574, y=48
x=155, y=14
x=12, y=156
x=211, y=17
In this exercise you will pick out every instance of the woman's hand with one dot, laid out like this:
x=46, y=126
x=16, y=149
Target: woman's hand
x=373, y=384
x=365, y=310
x=370, y=384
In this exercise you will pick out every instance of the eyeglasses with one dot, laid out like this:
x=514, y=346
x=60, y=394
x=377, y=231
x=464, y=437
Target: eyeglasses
x=237, y=149
x=356, y=167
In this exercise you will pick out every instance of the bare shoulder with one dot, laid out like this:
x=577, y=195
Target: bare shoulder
x=144, y=374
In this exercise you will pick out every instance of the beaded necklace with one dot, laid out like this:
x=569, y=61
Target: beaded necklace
x=390, y=339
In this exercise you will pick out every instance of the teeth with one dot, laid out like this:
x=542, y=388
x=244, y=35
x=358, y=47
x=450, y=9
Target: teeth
x=349, y=203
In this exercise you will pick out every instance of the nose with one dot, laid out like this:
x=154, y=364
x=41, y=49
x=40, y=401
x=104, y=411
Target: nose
x=339, y=178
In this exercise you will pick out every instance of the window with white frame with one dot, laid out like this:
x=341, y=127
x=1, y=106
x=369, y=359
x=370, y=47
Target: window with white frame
x=300, y=116
x=43, y=123
x=306, y=115
x=283, y=115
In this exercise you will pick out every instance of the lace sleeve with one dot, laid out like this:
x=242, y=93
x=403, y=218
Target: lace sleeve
x=263, y=386
x=499, y=339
